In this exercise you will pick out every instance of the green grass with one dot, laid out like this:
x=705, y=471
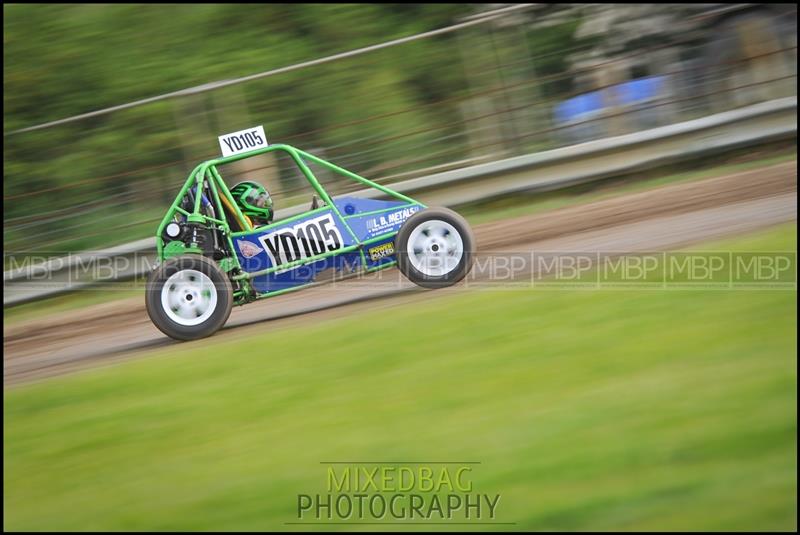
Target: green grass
x=587, y=410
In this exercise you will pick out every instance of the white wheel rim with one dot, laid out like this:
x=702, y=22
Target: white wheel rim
x=189, y=297
x=435, y=248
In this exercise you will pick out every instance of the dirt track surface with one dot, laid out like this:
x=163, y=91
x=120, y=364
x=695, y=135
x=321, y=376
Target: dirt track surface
x=662, y=218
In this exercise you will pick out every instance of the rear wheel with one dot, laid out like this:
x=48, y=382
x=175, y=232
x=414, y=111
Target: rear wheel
x=189, y=297
x=434, y=248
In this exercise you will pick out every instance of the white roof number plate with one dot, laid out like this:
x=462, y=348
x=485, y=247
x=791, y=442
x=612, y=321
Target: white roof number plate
x=243, y=141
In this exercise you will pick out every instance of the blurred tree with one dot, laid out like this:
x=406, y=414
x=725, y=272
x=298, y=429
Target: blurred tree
x=65, y=60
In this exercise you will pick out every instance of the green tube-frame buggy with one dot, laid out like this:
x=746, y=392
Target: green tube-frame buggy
x=212, y=257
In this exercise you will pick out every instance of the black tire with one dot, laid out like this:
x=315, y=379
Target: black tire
x=218, y=313
x=405, y=264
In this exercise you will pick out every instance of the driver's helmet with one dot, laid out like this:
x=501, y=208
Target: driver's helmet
x=254, y=201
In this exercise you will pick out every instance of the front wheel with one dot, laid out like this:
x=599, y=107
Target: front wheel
x=434, y=248
x=189, y=297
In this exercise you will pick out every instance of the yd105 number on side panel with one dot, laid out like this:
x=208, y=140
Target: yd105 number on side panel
x=304, y=240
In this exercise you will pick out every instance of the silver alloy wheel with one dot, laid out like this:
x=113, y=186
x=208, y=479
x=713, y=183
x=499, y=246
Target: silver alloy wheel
x=435, y=248
x=189, y=297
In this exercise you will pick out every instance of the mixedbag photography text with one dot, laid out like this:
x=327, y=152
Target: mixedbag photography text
x=392, y=493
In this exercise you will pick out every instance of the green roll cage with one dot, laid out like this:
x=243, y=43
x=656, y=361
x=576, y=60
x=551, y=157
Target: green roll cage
x=207, y=171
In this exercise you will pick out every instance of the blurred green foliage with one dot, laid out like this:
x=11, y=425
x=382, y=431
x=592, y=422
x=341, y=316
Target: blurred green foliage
x=64, y=60
x=592, y=410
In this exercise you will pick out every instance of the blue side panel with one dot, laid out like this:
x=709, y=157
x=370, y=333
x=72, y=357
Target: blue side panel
x=390, y=217
x=283, y=243
x=370, y=226
x=323, y=231
x=348, y=206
